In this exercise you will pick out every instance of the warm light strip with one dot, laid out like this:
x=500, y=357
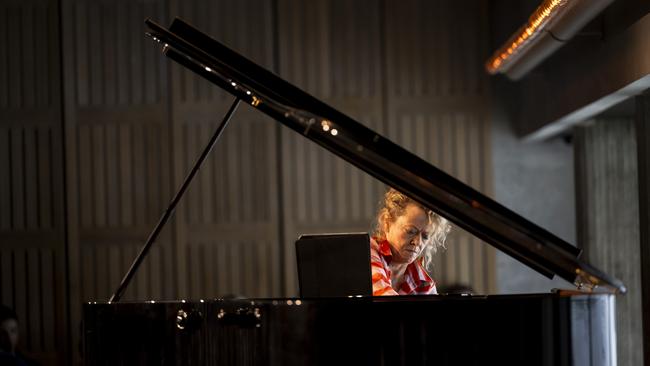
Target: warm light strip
x=529, y=31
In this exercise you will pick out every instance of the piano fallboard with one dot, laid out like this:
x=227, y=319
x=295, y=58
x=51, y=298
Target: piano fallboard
x=531, y=329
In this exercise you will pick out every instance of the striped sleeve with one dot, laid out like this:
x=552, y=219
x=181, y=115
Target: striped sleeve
x=381, y=285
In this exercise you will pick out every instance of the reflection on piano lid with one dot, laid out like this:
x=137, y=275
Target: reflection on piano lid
x=379, y=157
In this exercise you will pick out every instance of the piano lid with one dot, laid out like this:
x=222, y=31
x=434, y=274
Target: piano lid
x=379, y=157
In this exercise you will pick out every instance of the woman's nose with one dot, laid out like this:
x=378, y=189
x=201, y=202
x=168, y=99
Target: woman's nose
x=417, y=240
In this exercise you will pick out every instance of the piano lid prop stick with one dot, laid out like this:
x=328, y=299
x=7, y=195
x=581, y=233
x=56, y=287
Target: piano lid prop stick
x=172, y=205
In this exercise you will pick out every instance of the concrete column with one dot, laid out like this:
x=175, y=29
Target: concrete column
x=607, y=212
x=643, y=143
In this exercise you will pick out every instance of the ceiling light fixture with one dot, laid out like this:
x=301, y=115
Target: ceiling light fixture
x=550, y=26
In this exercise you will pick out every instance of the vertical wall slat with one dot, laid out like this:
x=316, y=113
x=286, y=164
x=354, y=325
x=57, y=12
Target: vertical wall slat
x=155, y=271
x=136, y=82
x=95, y=23
x=18, y=178
x=231, y=171
x=209, y=270
x=246, y=183
x=219, y=177
x=81, y=56
x=84, y=157
x=221, y=263
x=248, y=267
x=300, y=171
x=263, y=270
x=4, y=67
x=47, y=292
x=7, y=277
x=5, y=179
x=34, y=296
x=32, y=200
x=111, y=175
x=122, y=33
x=88, y=275
x=138, y=181
x=45, y=182
x=102, y=271
x=205, y=176
x=169, y=264
x=15, y=69
x=107, y=39
x=126, y=175
x=235, y=267
x=115, y=272
x=21, y=289
x=151, y=174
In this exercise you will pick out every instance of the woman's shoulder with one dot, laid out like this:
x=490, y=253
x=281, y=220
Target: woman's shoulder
x=375, y=246
x=379, y=246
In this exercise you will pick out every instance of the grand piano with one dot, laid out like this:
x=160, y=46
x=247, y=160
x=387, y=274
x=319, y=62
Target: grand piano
x=565, y=327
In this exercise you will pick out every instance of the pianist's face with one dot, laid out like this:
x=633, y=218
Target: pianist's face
x=408, y=234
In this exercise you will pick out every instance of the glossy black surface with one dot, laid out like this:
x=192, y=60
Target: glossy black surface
x=426, y=330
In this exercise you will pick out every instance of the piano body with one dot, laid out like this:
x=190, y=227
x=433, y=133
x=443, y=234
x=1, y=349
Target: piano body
x=572, y=327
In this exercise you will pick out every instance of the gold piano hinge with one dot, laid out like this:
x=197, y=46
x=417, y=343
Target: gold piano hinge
x=585, y=281
x=256, y=101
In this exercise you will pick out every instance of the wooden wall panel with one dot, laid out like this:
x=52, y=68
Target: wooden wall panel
x=115, y=64
x=117, y=151
x=227, y=225
x=436, y=48
x=29, y=68
x=226, y=267
x=32, y=246
x=117, y=129
x=27, y=154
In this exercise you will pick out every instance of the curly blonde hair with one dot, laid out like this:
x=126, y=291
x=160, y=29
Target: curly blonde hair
x=394, y=205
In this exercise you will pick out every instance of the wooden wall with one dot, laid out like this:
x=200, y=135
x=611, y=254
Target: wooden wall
x=32, y=215
x=227, y=228
x=97, y=131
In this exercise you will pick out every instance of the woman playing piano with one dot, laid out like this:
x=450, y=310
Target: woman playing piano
x=406, y=237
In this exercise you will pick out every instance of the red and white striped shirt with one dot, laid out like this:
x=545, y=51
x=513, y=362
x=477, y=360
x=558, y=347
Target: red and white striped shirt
x=416, y=280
